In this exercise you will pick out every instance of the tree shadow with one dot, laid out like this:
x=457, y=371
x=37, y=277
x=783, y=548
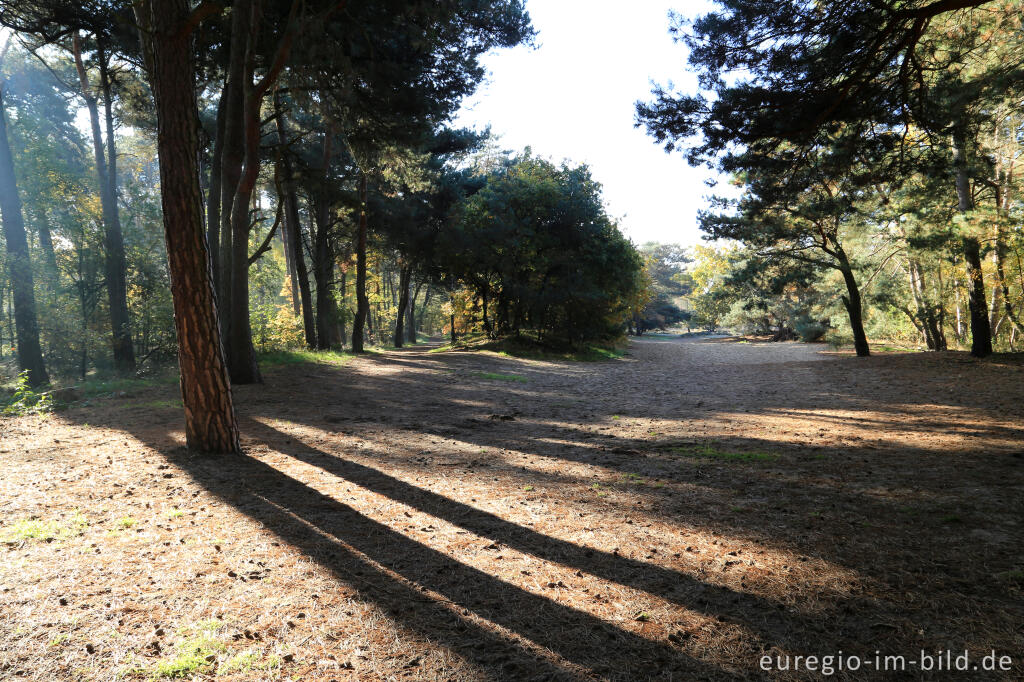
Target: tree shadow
x=434, y=593
x=773, y=624
x=441, y=395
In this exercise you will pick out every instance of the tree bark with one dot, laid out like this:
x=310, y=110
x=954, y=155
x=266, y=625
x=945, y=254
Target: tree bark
x=323, y=254
x=294, y=232
x=410, y=318
x=241, y=354
x=213, y=199
x=113, y=239
x=232, y=157
x=854, y=307
x=362, y=303
x=210, y=423
x=404, y=277
x=26, y=324
x=981, y=331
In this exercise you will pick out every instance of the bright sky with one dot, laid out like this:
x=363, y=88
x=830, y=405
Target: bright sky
x=573, y=99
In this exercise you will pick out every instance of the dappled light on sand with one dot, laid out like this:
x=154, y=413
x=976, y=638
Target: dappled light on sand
x=406, y=513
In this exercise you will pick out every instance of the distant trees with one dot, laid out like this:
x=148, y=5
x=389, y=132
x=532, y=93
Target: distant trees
x=19, y=263
x=667, y=282
x=537, y=250
x=869, y=95
x=328, y=117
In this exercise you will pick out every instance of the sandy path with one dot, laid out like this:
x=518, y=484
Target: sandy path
x=671, y=515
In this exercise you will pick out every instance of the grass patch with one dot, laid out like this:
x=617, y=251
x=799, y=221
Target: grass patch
x=194, y=655
x=281, y=358
x=1015, y=576
x=41, y=530
x=711, y=451
x=247, y=661
x=191, y=657
x=59, y=640
x=494, y=376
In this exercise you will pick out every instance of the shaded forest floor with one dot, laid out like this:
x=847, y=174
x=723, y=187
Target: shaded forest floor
x=673, y=514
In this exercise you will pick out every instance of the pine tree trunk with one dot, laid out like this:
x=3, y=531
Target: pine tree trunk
x=981, y=331
x=326, y=304
x=241, y=354
x=404, y=276
x=362, y=303
x=854, y=307
x=296, y=252
x=113, y=240
x=323, y=254
x=26, y=325
x=232, y=157
x=210, y=424
x=213, y=199
x=124, y=351
x=410, y=319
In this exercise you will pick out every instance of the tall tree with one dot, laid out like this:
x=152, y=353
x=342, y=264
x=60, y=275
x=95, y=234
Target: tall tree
x=30, y=354
x=788, y=76
x=166, y=33
x=106, y=174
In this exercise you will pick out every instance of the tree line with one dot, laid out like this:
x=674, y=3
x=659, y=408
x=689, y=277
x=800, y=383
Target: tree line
x=311, y=188
x=876, y=146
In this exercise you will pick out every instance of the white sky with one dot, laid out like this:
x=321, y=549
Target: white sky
x=573, y=99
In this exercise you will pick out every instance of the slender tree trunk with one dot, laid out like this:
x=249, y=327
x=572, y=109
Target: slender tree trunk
x=323, y=254
x=326, y=304
x=294, y=235
x=46, y=244
x=232, y=157
x=918, y=318
x=19, y=266
x=404, y=276
x=410, y=318
x=854, y=308
x=113, y=240
x=423, y=308
x=214, y=198
x=1002, y=204
x=210, y=424
x=362, y=303
x=981, y=331
x=117, y=265
x=241, y=354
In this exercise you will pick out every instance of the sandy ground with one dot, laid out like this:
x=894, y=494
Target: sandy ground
x=676, y=514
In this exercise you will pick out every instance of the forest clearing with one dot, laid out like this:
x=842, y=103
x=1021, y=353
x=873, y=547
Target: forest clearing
x=676, y=513
x=455, y=340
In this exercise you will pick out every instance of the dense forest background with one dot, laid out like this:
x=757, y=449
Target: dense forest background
x=340, y=210
x=329, y=204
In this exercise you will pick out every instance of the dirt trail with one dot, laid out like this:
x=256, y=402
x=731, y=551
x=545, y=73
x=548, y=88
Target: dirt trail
x=674, y=514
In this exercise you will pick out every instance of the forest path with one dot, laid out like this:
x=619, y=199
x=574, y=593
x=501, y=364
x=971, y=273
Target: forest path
x=453, y=515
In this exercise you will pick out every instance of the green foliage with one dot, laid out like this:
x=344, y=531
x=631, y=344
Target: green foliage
x=495, y=376
x=30, y=529
x=535, y=245
x=711, y=297
x=25, y=399
x=666, y=284
x=298, y=356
